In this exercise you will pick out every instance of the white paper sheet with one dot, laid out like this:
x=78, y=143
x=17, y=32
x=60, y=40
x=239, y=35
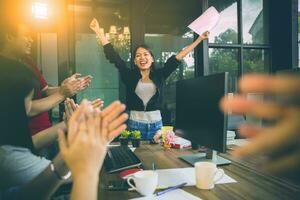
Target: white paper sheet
x=175, y=194
x=207, y=21
x=171, y=177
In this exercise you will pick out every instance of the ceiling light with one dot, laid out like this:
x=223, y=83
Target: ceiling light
x=40, y=10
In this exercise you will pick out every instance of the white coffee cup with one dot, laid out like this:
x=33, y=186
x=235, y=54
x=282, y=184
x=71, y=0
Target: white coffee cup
x=207, y=174
x=145, y=182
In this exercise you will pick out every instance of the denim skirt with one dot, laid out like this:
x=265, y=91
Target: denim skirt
x=148, y=130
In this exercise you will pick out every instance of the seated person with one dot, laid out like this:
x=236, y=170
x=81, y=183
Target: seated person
x=19, y=166
x=15, y=43
x=84, y=150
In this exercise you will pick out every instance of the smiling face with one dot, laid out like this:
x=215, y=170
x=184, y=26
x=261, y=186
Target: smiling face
x=20, y=42
x=143, y=59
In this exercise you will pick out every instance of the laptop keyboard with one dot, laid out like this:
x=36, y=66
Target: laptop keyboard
x=120, y=158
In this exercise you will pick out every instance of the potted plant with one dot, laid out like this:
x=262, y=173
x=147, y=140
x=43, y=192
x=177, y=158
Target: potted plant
x=124, y=137
x=136, y=138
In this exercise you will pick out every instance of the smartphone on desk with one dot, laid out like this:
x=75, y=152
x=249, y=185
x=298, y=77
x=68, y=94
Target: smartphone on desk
x=118, y=185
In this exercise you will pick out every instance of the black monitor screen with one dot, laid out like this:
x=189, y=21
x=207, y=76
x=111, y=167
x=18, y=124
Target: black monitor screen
x=198, y=116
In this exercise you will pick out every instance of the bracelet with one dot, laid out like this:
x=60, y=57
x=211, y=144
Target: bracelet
x=60, y=177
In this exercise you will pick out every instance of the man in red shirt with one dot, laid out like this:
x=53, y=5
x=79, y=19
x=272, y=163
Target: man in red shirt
x=46, y=98
x=68, y=88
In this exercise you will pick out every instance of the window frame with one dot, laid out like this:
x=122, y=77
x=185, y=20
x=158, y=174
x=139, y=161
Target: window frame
x=204, y=66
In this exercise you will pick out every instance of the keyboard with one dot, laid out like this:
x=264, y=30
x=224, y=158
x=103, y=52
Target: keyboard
x=120, y=158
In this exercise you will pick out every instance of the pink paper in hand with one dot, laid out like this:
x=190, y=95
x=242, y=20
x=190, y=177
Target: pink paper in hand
x=207, y=21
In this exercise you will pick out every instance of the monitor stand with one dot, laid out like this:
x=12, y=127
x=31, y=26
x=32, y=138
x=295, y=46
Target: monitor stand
x=209, y=156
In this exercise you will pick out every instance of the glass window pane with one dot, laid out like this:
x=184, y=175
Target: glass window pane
x=256, y=61
x=226, y=32
x=90, y=60
x=255, y=22
x=89, y=56
x=224, y=60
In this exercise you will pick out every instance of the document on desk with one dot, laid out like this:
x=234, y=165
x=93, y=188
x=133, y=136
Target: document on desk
x=178, y=194
x=171, y=177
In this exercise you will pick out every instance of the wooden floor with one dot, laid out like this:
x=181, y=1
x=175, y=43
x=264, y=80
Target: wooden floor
x=251, y=183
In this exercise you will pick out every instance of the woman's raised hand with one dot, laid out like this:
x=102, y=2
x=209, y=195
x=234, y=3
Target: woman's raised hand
x=94, y=25
x=205, y=35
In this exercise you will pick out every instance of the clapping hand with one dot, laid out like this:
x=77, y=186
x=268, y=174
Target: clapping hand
x=71, y=106
x=85, y=82
x=89, y=134
x=98, y=104
x=284, y=134
x=74, y=84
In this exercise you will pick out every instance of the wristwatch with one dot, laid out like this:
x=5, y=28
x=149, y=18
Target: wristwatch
x=60, y=177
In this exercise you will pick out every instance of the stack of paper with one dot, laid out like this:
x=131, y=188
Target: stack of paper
x=230, y=137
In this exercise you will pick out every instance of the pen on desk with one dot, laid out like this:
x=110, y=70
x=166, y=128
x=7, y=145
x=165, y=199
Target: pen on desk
x=170, y=189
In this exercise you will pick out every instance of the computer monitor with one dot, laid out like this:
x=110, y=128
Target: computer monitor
x=199, y=118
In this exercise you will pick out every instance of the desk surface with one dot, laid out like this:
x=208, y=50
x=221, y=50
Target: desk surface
x=251, y=184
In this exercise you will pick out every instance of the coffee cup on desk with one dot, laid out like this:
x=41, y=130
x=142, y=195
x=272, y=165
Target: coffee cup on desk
x=145, y=182
x=207, y=174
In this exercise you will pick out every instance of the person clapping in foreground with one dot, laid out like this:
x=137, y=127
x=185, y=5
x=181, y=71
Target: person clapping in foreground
x=281, y=140
x=85, y=146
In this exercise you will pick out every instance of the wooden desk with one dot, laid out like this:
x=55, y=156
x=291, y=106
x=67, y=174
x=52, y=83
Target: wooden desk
x=251, y=184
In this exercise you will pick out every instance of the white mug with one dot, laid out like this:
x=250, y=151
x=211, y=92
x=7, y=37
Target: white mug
x=145, y=182
x=207, y=174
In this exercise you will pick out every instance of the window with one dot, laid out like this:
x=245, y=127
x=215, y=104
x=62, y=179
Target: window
x=226, y=32
x=90, y=60
x=254, y=22
x=239, y=44
x=224, y=60
x=89, y=56
x=256, y=60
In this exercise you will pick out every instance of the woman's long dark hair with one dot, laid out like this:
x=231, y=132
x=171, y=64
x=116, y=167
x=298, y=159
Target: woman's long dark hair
x=144, y=46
